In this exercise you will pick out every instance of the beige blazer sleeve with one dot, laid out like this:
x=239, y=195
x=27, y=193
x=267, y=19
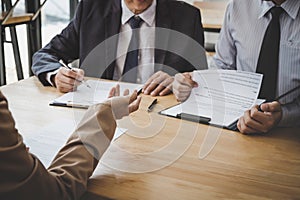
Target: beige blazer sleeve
x=22, y=175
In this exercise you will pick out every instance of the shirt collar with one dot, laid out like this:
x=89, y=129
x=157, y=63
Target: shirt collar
x=291, y=7
x=147, y=16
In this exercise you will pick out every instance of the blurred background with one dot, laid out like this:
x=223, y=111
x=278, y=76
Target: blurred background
x=55, y=15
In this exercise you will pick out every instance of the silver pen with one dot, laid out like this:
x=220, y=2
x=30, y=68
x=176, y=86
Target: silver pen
x=70, y=68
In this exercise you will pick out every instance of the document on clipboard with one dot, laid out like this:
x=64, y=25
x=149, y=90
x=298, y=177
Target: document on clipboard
x=221, y=98
x=84, y=97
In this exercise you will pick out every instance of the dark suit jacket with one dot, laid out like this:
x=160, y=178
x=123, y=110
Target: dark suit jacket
x=98, y=20
x=23, y=176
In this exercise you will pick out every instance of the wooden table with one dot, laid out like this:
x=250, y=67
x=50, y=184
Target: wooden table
x=238, y=167
x=212, y=14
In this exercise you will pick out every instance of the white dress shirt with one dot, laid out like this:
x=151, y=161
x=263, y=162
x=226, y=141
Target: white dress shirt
x=240, y=41
x=147, y=39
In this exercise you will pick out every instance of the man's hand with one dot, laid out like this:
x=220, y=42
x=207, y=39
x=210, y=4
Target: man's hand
x=67, y=80
x=183, y=85
x=255, y=121
x=134, y=99
x=159, y=83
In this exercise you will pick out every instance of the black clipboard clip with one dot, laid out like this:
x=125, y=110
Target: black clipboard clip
x=194, y=118
x=233, y=126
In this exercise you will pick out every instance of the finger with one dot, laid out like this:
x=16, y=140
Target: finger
x=63, y=85
x=111, y=92
x=126, y=92
x=188, y=75
x=150, y=87
x=117, y=91
x=182, y=98
x=73, y=74
x=271, y=116
x=63, y=79
x=67, y=80
x=181, y=92
x=157, y=90
x=258, y=116
x=168, y=88
x=251, y=122
x=135, y=104
x=65, y=89
x=239, y=125
x=182, y=95
x=72, y=77
x=163, y=87
x=271, y=107
x=159, y=83
x=149, y=81
x=155, y=82
x=133, y=97
x=78, y=71
x=79, y=75
x=165, y=91
x=181, y=88
x=185, y=79
x=243, y=128
x=180, y=78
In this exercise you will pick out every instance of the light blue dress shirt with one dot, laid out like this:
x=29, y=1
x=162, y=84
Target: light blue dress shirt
x=240, y=40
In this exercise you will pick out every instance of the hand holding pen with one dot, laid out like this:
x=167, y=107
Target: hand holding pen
x=262, y=118
x=67, y=79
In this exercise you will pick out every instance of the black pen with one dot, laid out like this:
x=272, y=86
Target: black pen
x=70, y=68
x=281, y=96
x=152, y=105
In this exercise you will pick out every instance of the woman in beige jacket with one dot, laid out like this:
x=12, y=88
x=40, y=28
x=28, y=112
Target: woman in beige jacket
x=23, y=176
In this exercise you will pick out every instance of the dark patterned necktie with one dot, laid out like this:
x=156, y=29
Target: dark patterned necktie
x=269, y=56
x=131, y=62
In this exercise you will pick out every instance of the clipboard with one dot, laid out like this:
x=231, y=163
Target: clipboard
x=221, y=98
x=203, y=119
x=198, y=119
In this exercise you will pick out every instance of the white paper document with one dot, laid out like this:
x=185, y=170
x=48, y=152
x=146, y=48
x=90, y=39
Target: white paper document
x=83, y=97
x=222, y=95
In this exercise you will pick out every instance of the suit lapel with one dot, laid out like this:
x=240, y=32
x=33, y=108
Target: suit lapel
x=112, y=27
x=163, y=20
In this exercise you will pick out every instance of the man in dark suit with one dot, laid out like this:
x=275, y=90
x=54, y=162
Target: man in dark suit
x=95, y=23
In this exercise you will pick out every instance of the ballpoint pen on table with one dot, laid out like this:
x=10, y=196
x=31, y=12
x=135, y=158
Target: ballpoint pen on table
x=70, y=68
x=152, y=105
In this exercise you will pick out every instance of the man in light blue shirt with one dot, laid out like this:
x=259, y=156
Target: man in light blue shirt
x=239, y=48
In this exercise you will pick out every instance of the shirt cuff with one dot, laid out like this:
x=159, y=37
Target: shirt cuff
x=48, y=76
x=117, y=105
